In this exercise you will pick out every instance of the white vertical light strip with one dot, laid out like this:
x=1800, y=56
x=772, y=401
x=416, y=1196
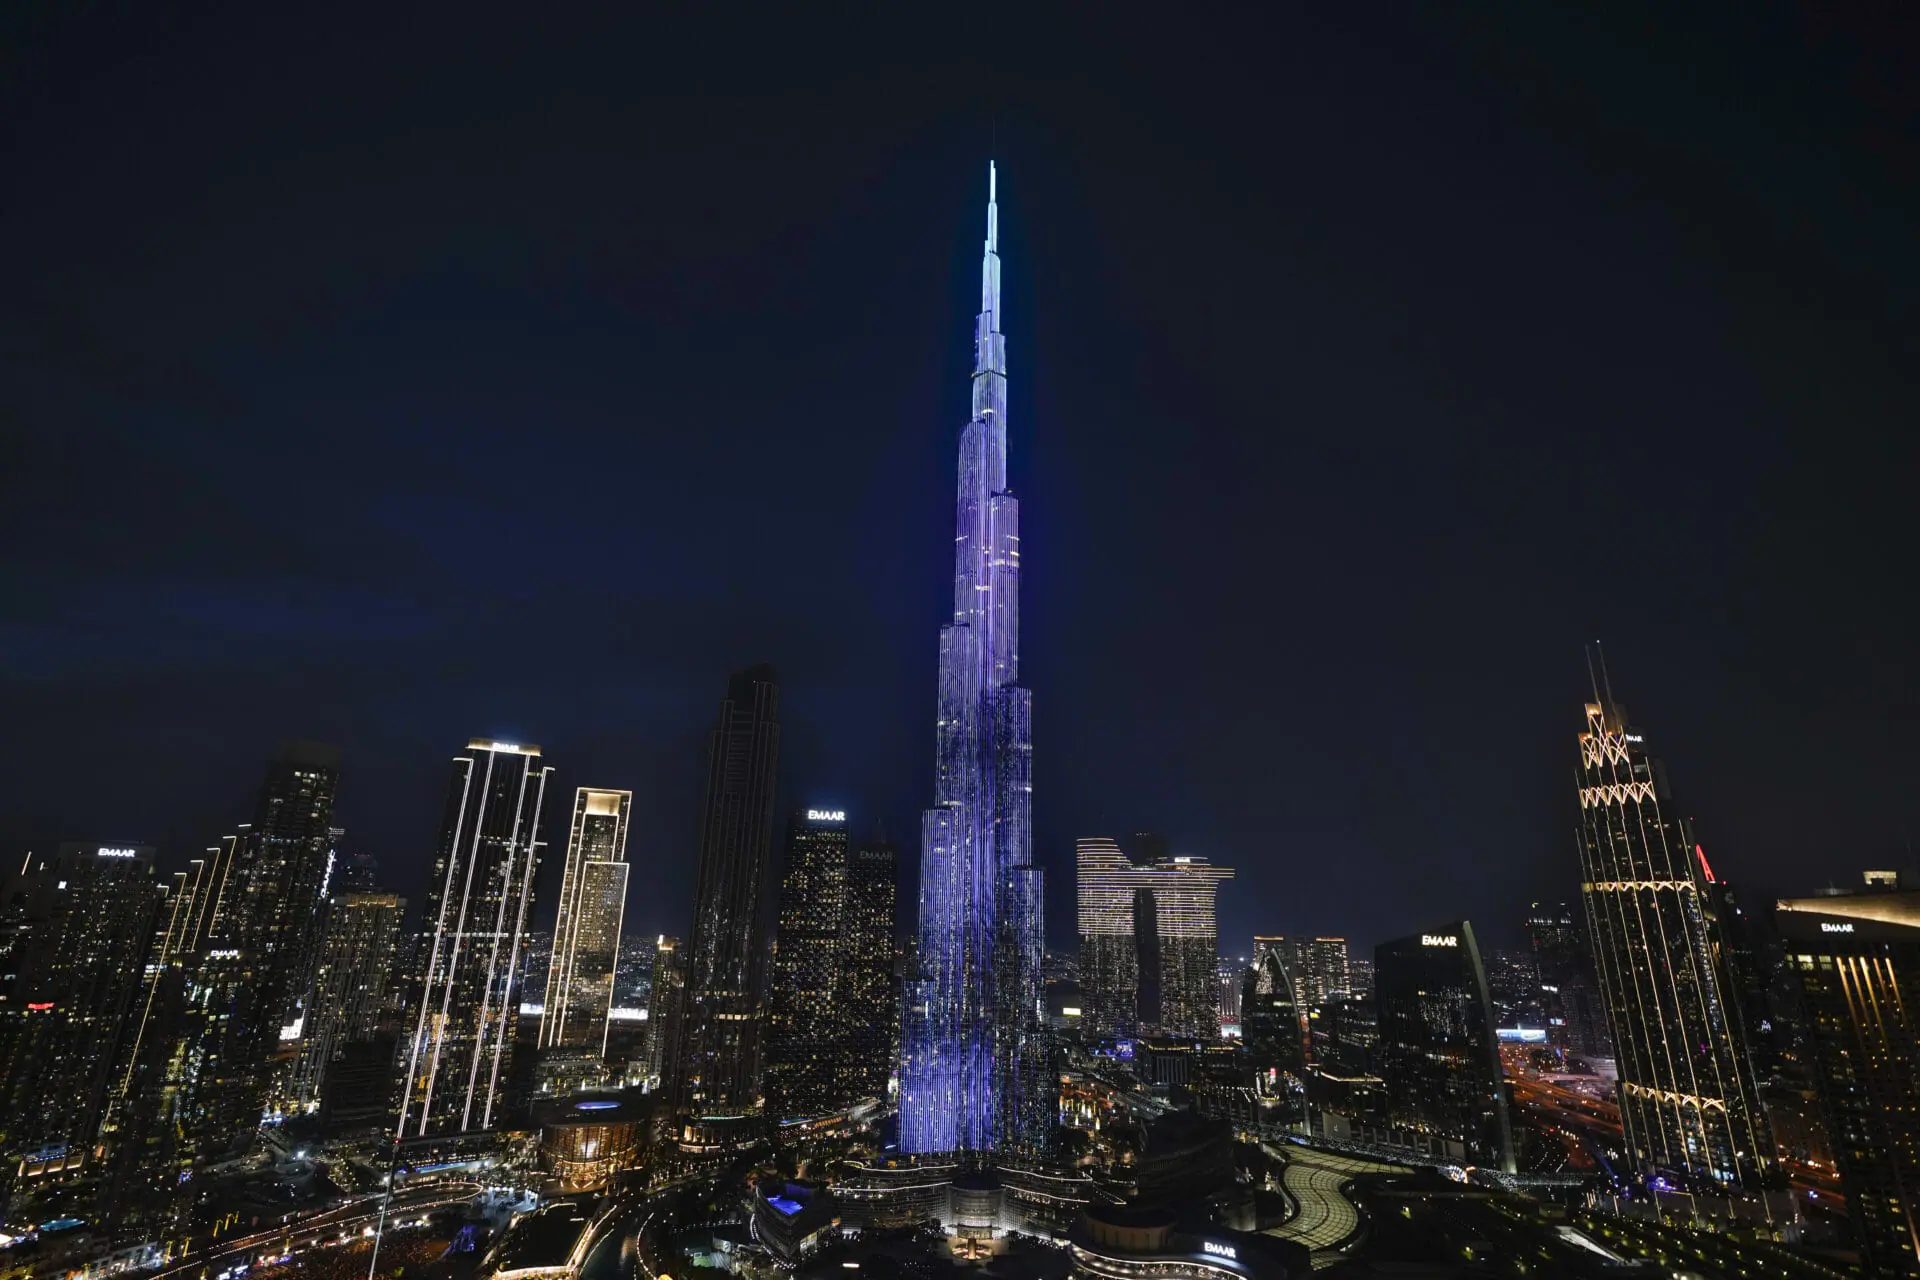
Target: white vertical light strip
x=519, y=926
x=459, y=931
x=433, y=963
x=493, y=955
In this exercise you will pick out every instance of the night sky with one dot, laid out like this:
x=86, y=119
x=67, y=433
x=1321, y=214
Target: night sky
x=392, y=376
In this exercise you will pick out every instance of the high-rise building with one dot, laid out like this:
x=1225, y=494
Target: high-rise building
x=831, y=1030
x=1329, y=973
x=1149, y=941
x=357, y=949
x=720, y=1040
x=1109, y=952
x=93, y=911
x=1857, y=958
x=975, y=1070
x=1271, y=1028
x=253, y=979
x=478, y=905
x=586, y=930
x=1445, y=1089
x=1688, y=1100
x=1569, y=997
x=666, y=995
x=805, y=1018
x=869, y=927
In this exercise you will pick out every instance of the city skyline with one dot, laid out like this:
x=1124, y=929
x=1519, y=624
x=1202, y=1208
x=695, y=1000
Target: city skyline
x=1386, y=377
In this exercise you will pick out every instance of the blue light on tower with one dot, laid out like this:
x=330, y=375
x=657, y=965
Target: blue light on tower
x=973, y=1062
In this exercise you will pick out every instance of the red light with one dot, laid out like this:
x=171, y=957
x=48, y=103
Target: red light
x=40, y=1008
x=1705, y=865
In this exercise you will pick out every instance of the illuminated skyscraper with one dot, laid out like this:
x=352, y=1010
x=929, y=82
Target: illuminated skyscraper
x=1329, y=972
x=666, y=993
x=94, y=910
x=805, y=1017
x=1445, y=1089
x=974, y=1067
x=1149, y=942
x=254, y=979
x=869, y=923
x=477, y=910
x=1857, y=958
x=1687, y=1095
x=718, y=1065
x=586, y=931
x=1568, y=994
x=357, y=950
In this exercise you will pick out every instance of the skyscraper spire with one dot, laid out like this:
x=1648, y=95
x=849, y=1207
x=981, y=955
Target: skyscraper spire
x=973, y=1063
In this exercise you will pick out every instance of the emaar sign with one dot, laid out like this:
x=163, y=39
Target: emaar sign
x=1226, y=1251
x=1439, y=940
x=826, y=815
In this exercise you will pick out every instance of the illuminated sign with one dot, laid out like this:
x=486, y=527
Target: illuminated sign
x=506, y=746
x=826, y=815
x=1634, y=737
x=1220, y=1250
x=224, y=953
x=116, y=853
x=1439, y=940
x=1069, y=1011
x=1827, y=926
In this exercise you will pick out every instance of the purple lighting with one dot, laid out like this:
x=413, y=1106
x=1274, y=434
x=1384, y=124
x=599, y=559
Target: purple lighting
x=973, y=1060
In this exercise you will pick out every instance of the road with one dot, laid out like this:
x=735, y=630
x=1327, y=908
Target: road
x=353, y=1216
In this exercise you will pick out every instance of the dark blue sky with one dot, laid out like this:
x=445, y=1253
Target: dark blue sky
x=388, y=378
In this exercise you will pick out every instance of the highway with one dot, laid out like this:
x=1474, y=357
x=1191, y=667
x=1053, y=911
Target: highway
x=352, y=1217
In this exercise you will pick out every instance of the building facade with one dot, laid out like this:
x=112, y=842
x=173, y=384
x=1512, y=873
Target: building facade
x=357, y=951
x=1149, y=940
x=720, y=1036
x=253, y=979
x=805, y=1019
x=1689, y=1103
x=586, y=929
x=477, y=911
x=1857, y=957
x=975, y=1066
x=666, y=992
x=869, y=929
x=1445, y=1087
x=1569, y=996
x=93, y=910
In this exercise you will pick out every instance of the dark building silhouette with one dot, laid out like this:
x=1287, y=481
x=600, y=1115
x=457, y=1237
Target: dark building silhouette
x=254, y=976
x=717, y=1065
x=1444, y=1087
x=1569, y=995
x=1857, y=958
x=666, y=994
x=1272, y=1037
x=1687, y=1095
x=464, y=1018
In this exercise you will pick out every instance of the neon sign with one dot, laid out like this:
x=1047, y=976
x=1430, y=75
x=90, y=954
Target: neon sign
x=1439, y=940
x=826, y=815
x=1220, y=1250
x=117, y=853
x=1827, y=926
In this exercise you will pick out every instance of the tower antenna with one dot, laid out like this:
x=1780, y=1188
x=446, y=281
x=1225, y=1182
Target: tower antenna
x=1592, y=679
x=1606, y=683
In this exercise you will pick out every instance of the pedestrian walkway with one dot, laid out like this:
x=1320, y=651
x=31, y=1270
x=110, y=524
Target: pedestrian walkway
x=1325, y=1217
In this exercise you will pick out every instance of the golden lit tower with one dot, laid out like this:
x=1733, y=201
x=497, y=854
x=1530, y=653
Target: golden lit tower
x=1688, y=1099
x=586, y=932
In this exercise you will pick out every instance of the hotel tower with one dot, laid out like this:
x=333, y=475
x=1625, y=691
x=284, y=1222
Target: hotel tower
x=974, y=1061
x=1688, y=1099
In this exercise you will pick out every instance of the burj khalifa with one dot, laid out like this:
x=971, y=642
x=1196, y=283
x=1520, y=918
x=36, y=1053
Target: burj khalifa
x=974, y=1070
